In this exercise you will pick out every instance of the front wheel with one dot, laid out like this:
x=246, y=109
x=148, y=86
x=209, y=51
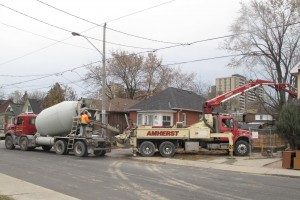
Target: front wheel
x=167, y=149
x=241, y=148
x=80, y=149
x=147, y=149
x=9, y=143
x=23, y=143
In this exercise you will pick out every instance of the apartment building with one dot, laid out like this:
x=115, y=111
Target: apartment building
x=241, y=102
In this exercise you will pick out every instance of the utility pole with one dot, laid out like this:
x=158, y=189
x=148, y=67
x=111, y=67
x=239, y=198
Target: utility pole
x=103, y=80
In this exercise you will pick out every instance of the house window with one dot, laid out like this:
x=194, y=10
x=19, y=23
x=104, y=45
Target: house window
x=140, y=119
x=184, y=119
x=166, y=121
x=29, y=109
x=149, y=120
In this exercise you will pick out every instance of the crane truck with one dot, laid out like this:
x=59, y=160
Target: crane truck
x=58, y=126
x=211, y=132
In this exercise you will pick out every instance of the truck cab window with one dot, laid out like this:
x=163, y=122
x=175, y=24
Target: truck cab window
x=227, y=123
x=32, y=121
x=19, y=121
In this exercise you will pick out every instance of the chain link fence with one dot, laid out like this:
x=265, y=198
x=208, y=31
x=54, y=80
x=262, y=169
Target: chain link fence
x=266, y=141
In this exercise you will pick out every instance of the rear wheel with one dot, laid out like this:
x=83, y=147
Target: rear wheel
x=100, y=152
x=241, y=148
x=23, y=143
x=9, y=143
x=60, y=147
x=147, y=149
x=167, y=149
x=46, y=148
x=80, y=149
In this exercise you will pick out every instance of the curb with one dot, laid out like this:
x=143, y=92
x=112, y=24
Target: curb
x=225, y=167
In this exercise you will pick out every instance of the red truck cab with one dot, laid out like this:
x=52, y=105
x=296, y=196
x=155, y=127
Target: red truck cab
x=23, y=124
x=241, y=138
x=228, y=124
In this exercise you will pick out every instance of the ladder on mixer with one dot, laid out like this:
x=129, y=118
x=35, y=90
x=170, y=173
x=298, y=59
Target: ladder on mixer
x=71, y=140
x=75, y=124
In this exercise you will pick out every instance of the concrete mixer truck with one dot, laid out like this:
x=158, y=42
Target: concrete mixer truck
x=58, y=127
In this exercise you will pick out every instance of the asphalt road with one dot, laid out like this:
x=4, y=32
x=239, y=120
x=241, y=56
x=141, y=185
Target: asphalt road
x=118, y=176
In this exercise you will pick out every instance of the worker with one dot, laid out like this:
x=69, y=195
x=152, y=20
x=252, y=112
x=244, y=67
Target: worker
x=84, y=120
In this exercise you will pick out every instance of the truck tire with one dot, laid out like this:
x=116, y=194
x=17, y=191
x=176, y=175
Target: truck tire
x=167, y=149
x=23, y=143
x=60, y=147
x=9, y=143
x=241, y=148
x=99, y=153
x=147, y=149
x=46, y=148
x=80, y=149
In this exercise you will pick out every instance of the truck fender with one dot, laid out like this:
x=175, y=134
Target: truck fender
x=14, y=137
x=9, y=133
x=242, y=137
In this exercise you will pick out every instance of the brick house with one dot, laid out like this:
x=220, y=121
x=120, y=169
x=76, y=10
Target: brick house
x=116, y=109
x=168, y=107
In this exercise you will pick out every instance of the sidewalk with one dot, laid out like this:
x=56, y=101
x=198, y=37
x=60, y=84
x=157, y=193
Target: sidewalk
x=22, y=190
x=255, y=164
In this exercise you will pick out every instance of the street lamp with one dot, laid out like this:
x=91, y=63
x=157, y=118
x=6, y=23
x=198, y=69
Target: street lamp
x=77, y=34
x=103, y=72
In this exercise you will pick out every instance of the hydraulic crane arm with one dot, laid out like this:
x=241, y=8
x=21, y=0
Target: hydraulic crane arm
x=210, y=105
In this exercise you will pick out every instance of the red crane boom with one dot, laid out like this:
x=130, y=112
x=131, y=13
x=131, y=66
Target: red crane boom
x=210, y=105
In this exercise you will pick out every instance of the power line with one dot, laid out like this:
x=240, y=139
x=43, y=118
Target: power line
x=204, y=59
x=60, y=28
x=42, y=36
x=48, y=75
x=132, y=35
x=116, y=43
x=63, y=29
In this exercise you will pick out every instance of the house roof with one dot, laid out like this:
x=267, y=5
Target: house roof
x=2, y=101
x=4, y=106
x=120, y=105
x=17, y=108
x=171, y=99
x=35, y=105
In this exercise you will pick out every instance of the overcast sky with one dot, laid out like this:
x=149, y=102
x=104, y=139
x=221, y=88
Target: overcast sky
x=36, y=39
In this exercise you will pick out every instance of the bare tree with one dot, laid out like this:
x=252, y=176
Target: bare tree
x=39, y=95
x=70, y=93
x=266, y=38
x=183, y=80
x=136, y=77
x=201, y=88
x=127, y=69
x=93, y=80
x=16, y=96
